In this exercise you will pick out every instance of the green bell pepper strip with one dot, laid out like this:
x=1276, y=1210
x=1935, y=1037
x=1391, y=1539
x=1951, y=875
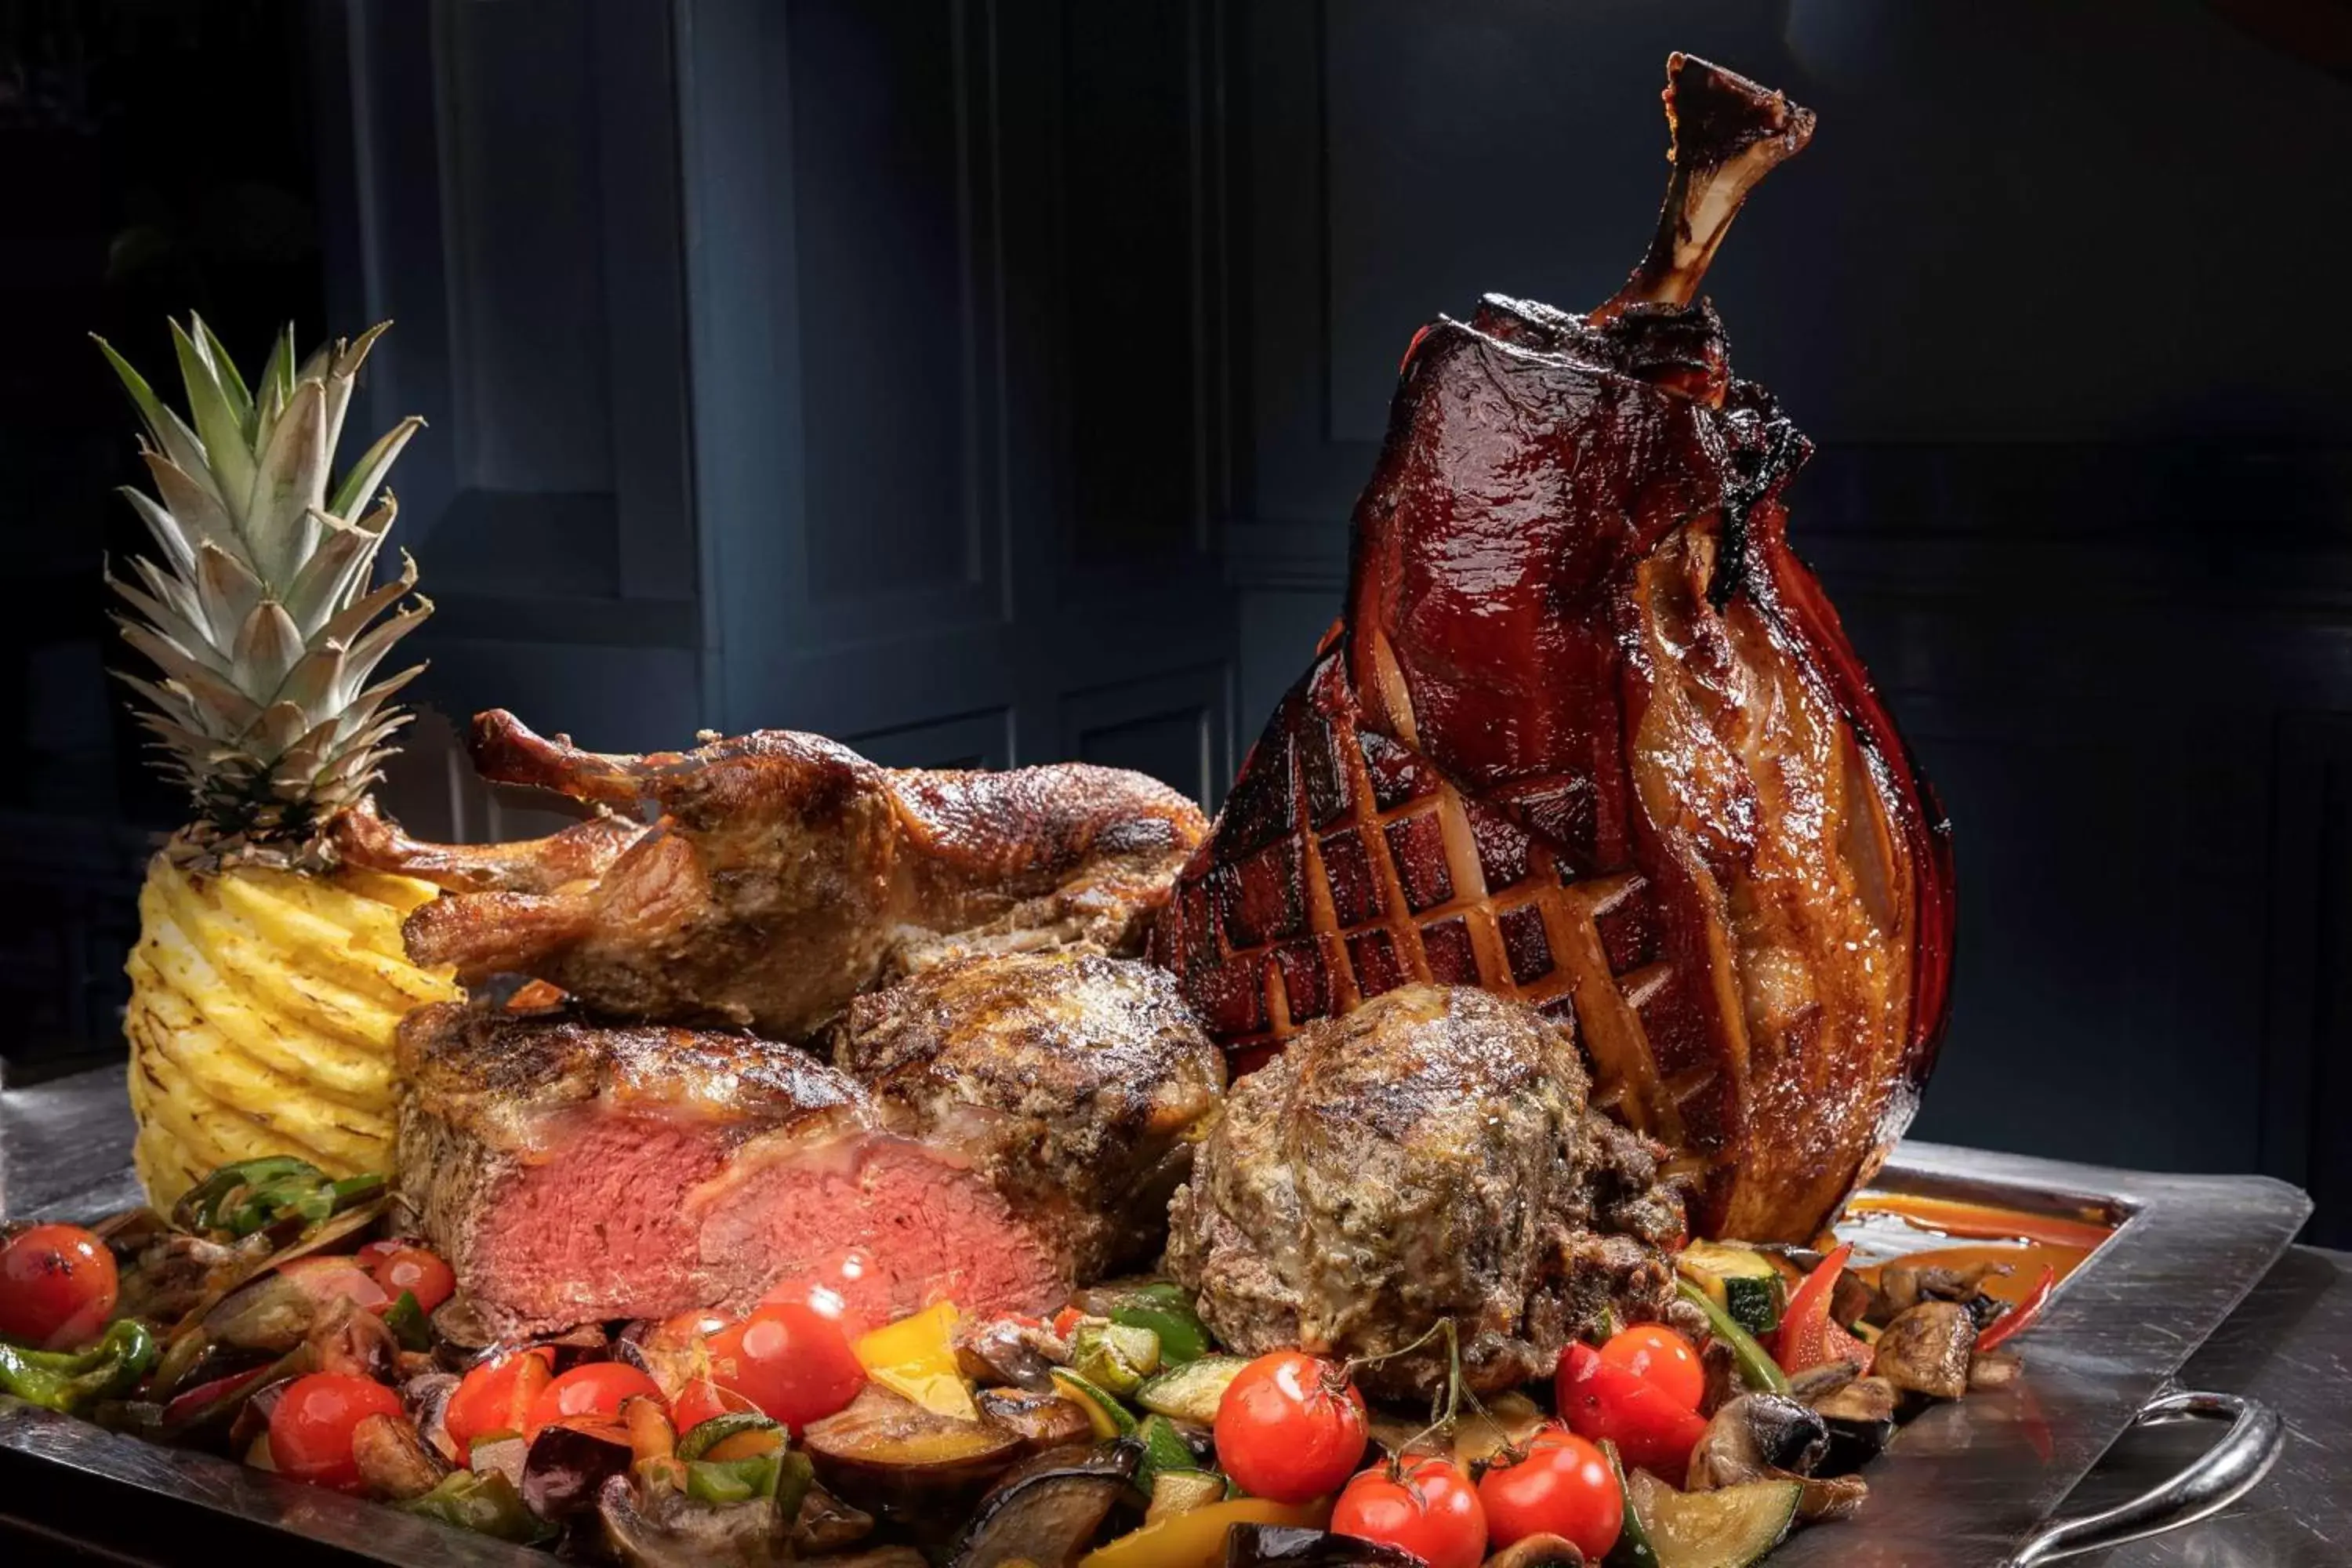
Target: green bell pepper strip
x=483, y=1501
x=66, y=1381
x=1757, y=1367
x=408, y=1323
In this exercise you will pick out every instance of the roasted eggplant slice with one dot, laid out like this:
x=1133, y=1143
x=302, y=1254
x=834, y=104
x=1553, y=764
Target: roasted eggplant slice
x=1048, y=1510
x=1860, y=1421
x=1287, y=1546
x=1041, y=1421
x=888, y=1455
x=568, y=1464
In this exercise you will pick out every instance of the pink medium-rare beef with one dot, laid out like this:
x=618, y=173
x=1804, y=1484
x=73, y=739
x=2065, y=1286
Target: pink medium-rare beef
x=572, y=1174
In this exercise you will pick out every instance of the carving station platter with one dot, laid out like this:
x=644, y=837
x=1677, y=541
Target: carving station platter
x=1446, y=1155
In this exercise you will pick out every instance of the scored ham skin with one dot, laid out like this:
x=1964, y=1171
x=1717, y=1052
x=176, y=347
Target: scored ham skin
x=1591, y=735
x=574, y=1174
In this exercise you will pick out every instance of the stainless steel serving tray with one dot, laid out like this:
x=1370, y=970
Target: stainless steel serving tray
x=1969, y=1485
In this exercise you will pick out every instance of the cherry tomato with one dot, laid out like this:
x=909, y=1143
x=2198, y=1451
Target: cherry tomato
x=1601, y=1402
x=375, y=1252
x=827, y=1290
x=1429, y=1510
x=1661, y=1358
x=1289, y=1429
x=1561, y=1488
x=594, y=1388
x=496, y=1395
x=790, y=1360
x=419, y=1272
x=310, y=1427
x=57, y=1287
x=703, y=1400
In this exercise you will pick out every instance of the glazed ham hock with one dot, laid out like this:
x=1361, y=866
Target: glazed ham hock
x=1588, y=734
x=781, y=874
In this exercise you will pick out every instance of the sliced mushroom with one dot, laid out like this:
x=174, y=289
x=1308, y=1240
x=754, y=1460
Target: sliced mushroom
x=1927, y=1350
x=1538, y=1552
x=660, y=1527
x=427, y=1396
x=1048, y=1510
x=393, y=1460
x=1994, y=1369
x=825, y=1523
x=1758, y=1436
x=1006, y=1352
x=499, y=1456
x=1827, y=1498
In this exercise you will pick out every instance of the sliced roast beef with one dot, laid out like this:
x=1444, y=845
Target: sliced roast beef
x=570, y=1173
x=1072, y=1080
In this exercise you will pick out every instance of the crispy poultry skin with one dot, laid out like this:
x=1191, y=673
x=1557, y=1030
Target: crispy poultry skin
x=781, y=874
x=1589, y=735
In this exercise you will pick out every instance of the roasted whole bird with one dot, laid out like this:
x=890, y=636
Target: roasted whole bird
x=781, y=874
x=1591, y=735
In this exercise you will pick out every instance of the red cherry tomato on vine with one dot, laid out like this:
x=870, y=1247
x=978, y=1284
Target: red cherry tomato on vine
x=1604, y=1403
x=1290, y=1428
x=310, y=1426
x=1430, y=1509
x=790, y=1360
x=593, y=1388
x=419, y=1272
x=1562, y=1488
x=57, y=1287
x=375, y=1252
x=496, y=1396
x=1661, y=1358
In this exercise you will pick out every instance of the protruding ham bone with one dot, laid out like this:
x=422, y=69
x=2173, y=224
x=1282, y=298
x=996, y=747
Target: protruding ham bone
x=1727, y=133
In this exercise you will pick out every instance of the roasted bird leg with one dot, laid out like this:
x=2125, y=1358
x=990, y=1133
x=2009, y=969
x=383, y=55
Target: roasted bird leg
x=781, y=873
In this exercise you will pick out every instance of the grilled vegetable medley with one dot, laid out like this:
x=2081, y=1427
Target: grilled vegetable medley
x=276, y=1316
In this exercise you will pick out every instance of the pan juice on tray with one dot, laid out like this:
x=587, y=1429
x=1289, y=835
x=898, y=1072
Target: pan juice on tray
x=1430, y=1161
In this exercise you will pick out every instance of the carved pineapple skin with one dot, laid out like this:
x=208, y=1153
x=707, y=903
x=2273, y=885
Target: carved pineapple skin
x=262, y=1014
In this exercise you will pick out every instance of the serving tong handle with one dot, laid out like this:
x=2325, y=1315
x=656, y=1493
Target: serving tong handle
x=2216, y=1479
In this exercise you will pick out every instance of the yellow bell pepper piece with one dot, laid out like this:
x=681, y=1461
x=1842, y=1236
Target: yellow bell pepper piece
x=1197, y=1539
x=916, y=1356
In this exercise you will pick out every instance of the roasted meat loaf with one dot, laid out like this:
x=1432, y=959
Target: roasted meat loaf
x=1428, y=1156
x=1074, y=1081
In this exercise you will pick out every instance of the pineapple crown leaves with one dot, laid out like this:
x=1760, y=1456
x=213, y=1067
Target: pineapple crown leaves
x=259, y=616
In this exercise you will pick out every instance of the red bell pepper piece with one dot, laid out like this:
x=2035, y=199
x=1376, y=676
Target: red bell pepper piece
x=1601, y=1402
x=2020, y=1317
x=1808, y=1336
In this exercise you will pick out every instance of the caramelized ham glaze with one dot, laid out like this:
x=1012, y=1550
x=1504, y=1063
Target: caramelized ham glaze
x=1589, y=735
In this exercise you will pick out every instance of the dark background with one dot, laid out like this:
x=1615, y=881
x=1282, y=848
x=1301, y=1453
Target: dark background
x=990, y=382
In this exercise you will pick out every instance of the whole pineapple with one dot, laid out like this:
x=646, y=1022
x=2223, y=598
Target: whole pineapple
x=267, y=980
